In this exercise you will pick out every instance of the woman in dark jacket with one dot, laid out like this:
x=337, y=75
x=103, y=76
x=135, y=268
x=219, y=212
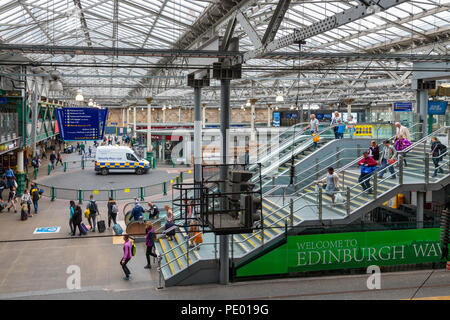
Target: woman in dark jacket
x=112, y=214
x=374, y=150
x=437, y=150
x=76, y=219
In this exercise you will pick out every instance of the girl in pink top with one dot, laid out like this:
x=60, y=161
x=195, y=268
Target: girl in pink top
x=126, y=256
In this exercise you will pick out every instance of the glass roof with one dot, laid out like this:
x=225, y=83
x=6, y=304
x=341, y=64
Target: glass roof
x=159, y=24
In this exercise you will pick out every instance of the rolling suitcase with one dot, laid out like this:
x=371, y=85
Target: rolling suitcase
x=101, y=226
x=117, y=229
x=83, y=228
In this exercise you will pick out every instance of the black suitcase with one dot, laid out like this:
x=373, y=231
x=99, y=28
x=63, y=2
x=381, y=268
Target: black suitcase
x=101, y=226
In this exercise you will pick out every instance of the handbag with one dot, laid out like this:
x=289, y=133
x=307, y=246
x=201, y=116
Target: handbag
x=390, y=161
x=316, y=138
x=339, y=198
x=87, y=213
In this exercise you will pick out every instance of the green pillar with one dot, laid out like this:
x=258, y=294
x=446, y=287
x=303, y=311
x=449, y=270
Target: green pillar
x=35, y=173
x=82, y=164
x=80, y=197
x=49, y=168
x=53, y=194
x=141, y=192
x=181, y=177
x=149, y=158
x=20, y=182
x=65, y=166
x=165, y=188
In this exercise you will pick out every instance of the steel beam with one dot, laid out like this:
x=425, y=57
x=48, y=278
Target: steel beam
x=332, y=22
x=275, y=21
x=249, y=30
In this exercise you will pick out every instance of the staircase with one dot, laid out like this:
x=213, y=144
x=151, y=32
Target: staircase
x=303, y=209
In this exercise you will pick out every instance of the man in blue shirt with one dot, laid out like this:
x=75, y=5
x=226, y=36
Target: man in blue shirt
x=10, y=177
x=137, y=212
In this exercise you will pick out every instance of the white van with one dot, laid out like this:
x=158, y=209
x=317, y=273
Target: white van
x=119, y=159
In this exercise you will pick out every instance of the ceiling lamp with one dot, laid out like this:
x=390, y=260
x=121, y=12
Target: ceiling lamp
x=79, y=96
x=90, y=103
x=248, y=104
x=279, y=98
x=55, y=85
x=276, y=108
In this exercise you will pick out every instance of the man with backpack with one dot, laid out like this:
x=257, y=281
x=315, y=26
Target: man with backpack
x=137, y=212
x=36, y=162
x=35, y=197
x=113, y=210
x=93, y=211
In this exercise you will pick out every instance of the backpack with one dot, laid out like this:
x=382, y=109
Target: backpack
x=114, y=208
x=33, y=163
x=133, y=249
x=92, y=207
x=35, y=194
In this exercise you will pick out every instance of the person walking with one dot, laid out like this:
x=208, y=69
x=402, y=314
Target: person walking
x=153, y=210
x=126, y=256
x=93, y=211
x=169, y=226
x=137, y=213
x=59, y=158
x=44, y=152
x=313, y=127
x=388, y=157
x=36, y=162
x=71, y=214
x=26, y=199
x=10, y=178
x=113, y=209
x=331, y=183
x=53, y=159
x=76, y=221
x=374, y=150
x=82, y=148
x=351, y=127
x=335, y=124
x=35, y=197
x=12, y=199
x=402, y=132
x=368, y=167
x=437, y=153
x=150, y=243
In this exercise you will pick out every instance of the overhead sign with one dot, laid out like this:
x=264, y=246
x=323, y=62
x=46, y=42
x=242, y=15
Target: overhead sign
x=79, y=123
x=348, y=250
x=276, y=119
x=437, y=107
x=3, y=100
x=46, y=230
x=403, y=107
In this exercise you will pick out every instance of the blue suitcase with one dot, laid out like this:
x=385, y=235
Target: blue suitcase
x=117, y=229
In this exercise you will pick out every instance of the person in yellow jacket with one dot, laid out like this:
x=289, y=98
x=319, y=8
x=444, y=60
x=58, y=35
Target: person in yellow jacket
x=195, y=235
x=35, y=196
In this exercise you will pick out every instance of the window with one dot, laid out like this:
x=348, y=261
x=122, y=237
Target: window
x=131, y=157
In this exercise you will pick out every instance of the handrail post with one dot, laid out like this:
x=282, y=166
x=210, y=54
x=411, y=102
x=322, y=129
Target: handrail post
x=187, y=251
x=273, y=181
x=215, y=247
x=320, y=204
x=338, y=157
x=375, y=185
x=400, y=169
x=347, y=205
x=427, y=167
x=291, y=211
x=284, y=194
x=343, y=179
x=160, y=273
x=317, y=168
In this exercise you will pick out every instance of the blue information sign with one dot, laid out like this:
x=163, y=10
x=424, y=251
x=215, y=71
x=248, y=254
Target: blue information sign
x=276, y=119
x=103, y=115
x=79, y=123
x=437, y=107
x=3, y=100
x=403, y=107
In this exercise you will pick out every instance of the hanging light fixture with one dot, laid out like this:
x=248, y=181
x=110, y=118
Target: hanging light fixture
x=90, y=103
x=248, y=104
x=279, y=98
x=79, y=96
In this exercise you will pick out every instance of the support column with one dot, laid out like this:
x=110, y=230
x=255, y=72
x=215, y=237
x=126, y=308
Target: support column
x=179, y=114
x=349, y=107
x=20, y=173
x=123, y=117
x=423, y=110
x=34, y=108
x=268, y=115
x=128, y=119
x=197, y=137
x=204, y=114
x=224, y=261
x=134, y=120
x=420, y=204
x=164, y=114
x=149, y=130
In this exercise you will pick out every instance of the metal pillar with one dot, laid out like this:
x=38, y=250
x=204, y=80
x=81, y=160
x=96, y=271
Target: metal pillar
x=419, y=214
x=123, y=118
x=203, y=114
x=128, y=118
x=149, y=130
x=268, y=116
x=224, y=261
x=20, y=173
x=34, y=108
x=134, y=120
x=423, y=109
x=197, y=137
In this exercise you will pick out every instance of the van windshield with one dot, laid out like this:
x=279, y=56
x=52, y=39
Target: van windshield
x=132, y=157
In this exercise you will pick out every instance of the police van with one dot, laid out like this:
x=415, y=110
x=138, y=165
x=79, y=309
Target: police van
x=119, y=159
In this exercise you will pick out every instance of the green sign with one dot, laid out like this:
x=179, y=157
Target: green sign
x=347, y=250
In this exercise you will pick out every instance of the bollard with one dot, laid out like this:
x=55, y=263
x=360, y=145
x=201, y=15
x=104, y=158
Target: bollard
x=181, y=177
x=82, y=164
x=35, y=173
x=80, y=197
x=49, y=168
x=53, y=194
x=153, y=163
x=141, y=191
x=173, y=164
x=165, y=188
x=111, y=193
x=178, y=180
x=65, y=166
